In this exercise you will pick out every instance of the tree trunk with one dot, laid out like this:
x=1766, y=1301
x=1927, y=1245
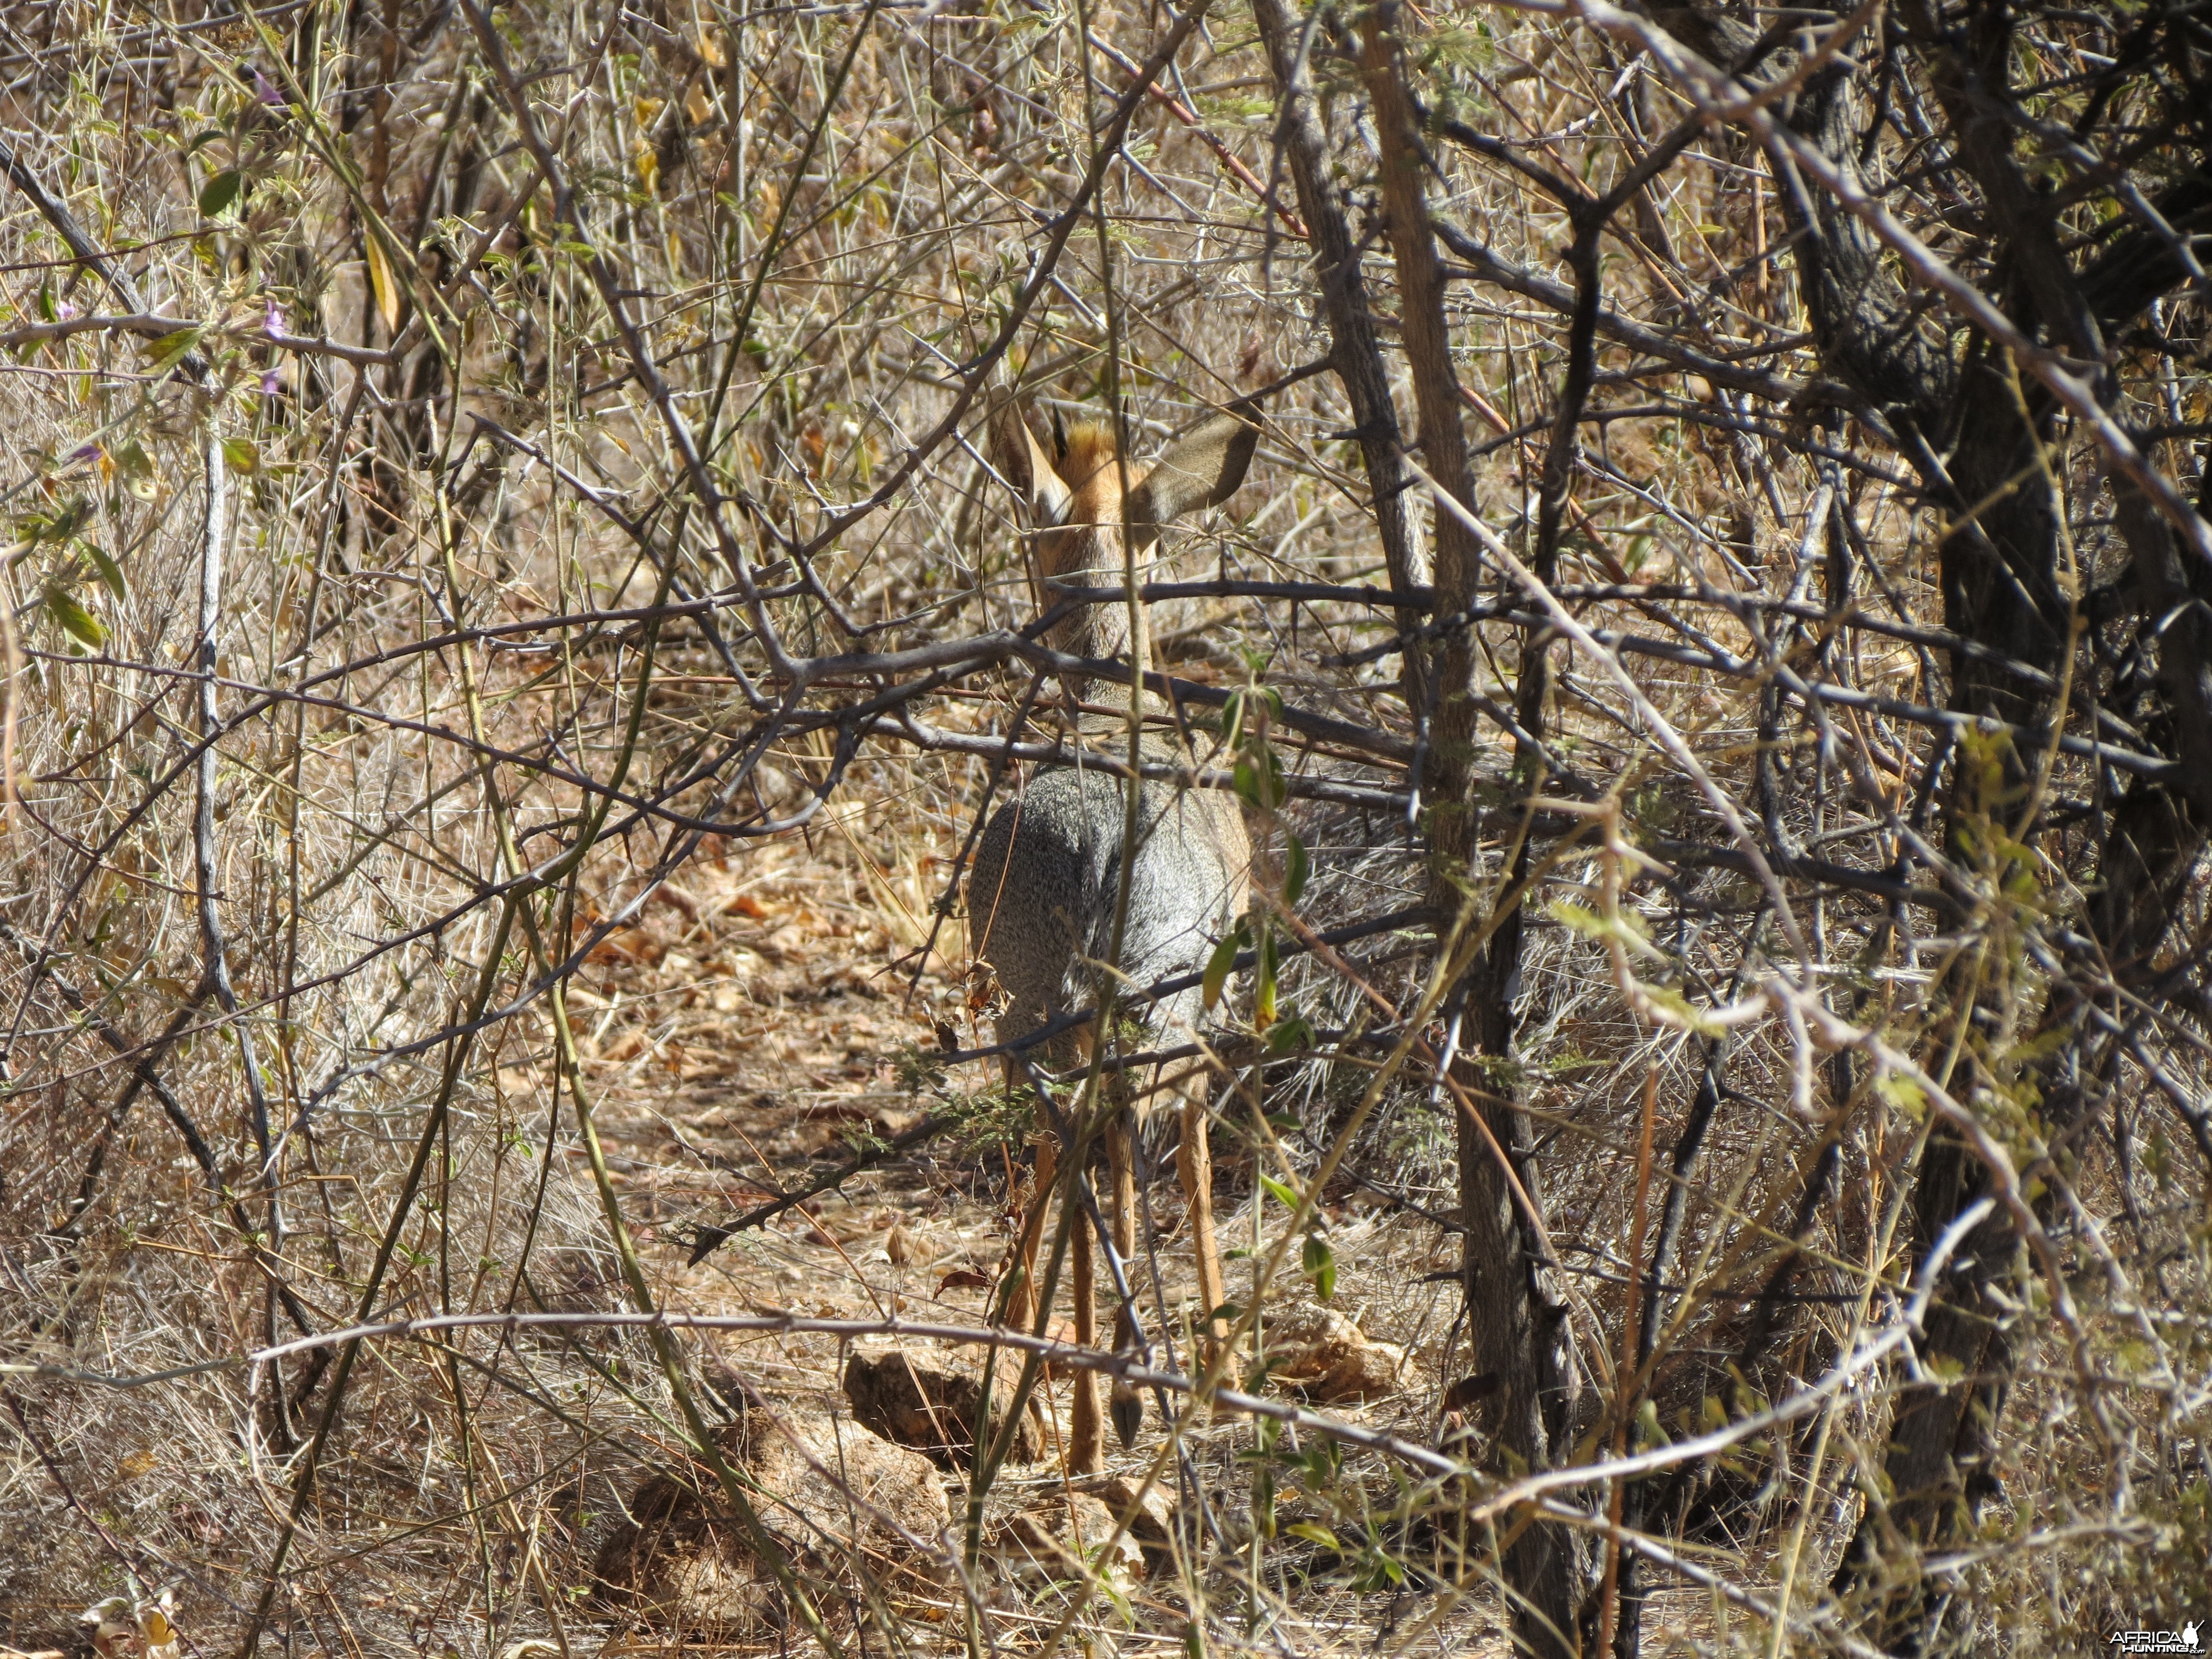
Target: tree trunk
x=1517, y=1318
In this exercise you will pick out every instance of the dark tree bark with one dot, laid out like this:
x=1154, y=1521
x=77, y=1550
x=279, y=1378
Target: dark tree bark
x=1979, y=438
x=1978, y=434
x=1357, y=353
x=1516, y=1313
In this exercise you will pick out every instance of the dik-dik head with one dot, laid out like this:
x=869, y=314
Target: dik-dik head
x=1073, y=488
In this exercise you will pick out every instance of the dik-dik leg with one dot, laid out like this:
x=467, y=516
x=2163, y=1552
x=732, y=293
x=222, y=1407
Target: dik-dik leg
x=1025, y=1307
x=1086, y=1433
x=1125, y=1404
x=1195, y=1172
x=1021, y=1301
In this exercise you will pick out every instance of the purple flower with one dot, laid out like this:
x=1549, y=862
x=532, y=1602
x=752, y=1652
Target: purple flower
x=272, y=383
x=265, y=90
x=273, y=325
x=83, y=454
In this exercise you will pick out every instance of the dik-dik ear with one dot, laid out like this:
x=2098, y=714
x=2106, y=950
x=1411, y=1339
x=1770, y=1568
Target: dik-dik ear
x=1201, y=469
x=1015, y=453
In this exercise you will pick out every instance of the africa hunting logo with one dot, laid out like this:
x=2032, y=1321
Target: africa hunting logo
x=2184, y=1640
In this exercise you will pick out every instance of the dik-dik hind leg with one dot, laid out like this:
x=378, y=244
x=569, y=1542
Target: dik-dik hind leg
x=1124, y=1403
x=1195, y=1171
x=1086, y=1435
x=1086, y=1431
x=1022, y=1302
x=1086, y=1438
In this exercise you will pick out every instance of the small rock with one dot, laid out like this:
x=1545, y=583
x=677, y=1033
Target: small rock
x=1064, y=1535
x=824, y=1474
x=1326, y=1357
x=825, y=1488
x=929, y=1400
x=904, y=1247
x=672, y=1564
x=891, y=1122
x=1151, y=1517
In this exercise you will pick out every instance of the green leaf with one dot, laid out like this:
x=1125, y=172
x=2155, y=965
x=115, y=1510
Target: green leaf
x=1314, y=1533
x=1260, y=779
x=1227, y=1314
x=1263, y=995
x=1281, y=1193
x=56, y=526
x=1221, y=964
x=109, y=572
x=46, y=299
x=1232, y=720
x=1903, y=1093
x=170, y=347
x=77, y=622
x=241, y=454
x=137, y=471
x=220, y=191
x=1320, y=1265
x=1296, y=868
x=201, y=139
x=1289, y=1032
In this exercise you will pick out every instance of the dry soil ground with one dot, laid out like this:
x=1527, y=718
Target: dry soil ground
x=753, y=1026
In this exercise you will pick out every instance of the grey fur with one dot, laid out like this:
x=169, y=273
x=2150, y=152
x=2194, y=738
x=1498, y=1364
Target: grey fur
x=1047, y=876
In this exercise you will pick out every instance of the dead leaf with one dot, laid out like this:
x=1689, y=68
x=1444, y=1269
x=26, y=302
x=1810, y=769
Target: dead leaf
x=381, y=281
x=124, y=1629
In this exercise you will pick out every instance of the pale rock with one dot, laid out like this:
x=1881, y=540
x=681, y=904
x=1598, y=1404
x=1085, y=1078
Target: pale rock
x=839, y=1501
x=1326, y=1357
x=929, y=1399
x=1065, y=1536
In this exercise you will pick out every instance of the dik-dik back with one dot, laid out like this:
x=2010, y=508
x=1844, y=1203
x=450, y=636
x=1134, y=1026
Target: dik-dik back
x=1042, y=897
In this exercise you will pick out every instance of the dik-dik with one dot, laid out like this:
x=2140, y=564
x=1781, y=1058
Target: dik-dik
x=1044, y=898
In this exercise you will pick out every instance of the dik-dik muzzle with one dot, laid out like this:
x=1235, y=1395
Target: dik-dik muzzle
x=1075, y=490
